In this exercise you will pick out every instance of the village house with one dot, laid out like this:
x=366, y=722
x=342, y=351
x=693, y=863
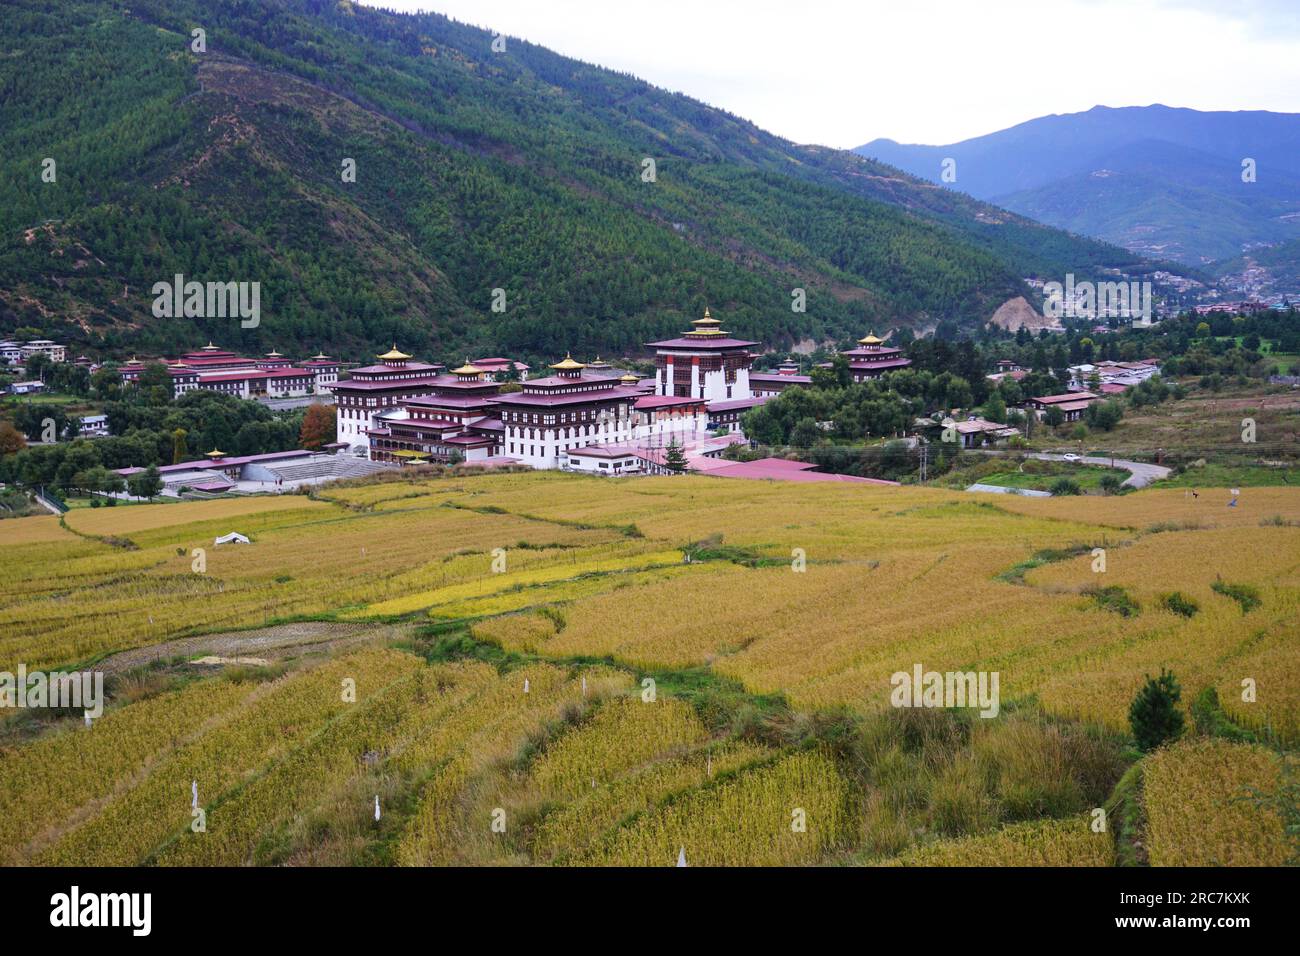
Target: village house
x=976, y=432
x=1121, y=374
x=1072, y=404
x=93, y=426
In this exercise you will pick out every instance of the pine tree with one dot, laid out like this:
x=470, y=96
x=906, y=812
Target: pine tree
x=1154, y=715
x=674, y=460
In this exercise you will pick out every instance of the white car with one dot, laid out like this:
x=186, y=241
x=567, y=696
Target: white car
x=1069, y=458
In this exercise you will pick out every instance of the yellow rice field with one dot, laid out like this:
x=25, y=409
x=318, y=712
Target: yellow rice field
x=808, y=595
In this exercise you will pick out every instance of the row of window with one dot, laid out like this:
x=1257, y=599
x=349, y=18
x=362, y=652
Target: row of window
x=552, y=418
x=570, y=432
x=535, y=450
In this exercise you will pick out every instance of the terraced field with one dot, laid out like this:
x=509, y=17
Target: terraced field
x=558, y=669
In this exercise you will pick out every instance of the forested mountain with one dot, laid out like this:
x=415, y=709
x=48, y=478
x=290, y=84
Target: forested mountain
x=476, y=170
x=1159, y=181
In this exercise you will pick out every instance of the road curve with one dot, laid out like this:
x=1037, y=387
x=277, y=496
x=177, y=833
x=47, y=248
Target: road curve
x=1141, y=473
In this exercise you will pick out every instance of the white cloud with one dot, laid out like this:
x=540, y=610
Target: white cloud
x=929, y=71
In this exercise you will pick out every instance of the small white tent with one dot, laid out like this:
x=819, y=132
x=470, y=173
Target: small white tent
x=233, y=538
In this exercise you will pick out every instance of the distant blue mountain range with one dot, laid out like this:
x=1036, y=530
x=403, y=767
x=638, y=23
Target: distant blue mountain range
x=1160, y=181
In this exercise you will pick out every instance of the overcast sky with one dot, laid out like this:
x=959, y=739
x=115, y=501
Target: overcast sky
x=841, y=73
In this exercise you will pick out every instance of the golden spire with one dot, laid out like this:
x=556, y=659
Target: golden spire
x=394, y=355
x=706, y=326
x=871, y=339
x=467, y=369
x=568, y=365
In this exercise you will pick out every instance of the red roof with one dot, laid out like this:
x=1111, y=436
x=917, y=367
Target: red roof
x=415, y=381
x=1084, y=397
x=731, y=404
x=470, y=440
x=442, y=423
x=234, y=377
x=702, y=344
x=781, y=379
x=408, y=367
x=605, y=451
x=452, y=401
x=780, y=469
x=885, y=350
x=860, y=364
x=665, y=401
x=574, y=398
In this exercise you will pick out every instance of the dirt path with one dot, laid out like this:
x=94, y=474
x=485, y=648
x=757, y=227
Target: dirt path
x=271, y=643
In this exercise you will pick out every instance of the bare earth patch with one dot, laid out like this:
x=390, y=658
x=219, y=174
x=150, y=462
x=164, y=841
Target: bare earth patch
x=269, y=643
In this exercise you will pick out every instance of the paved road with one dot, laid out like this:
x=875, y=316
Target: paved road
x=1141, y=473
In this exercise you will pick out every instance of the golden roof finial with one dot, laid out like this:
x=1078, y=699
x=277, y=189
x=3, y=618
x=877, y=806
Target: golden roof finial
x=568, y=365
x=706, y=326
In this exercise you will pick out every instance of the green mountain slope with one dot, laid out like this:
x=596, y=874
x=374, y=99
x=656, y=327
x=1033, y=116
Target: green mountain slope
x=476, y=171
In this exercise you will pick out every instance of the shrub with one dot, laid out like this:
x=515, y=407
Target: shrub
x=1110, y=484
x=1180, y=603
x=1066, y=486
x=1113, y=598
x=1154, y=715
x=1243, y=594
